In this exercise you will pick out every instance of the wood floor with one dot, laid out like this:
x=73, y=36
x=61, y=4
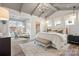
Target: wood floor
x=73, y=50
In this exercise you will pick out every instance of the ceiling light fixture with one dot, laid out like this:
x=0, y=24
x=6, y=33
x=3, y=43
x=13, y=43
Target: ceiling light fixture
x=43, y=8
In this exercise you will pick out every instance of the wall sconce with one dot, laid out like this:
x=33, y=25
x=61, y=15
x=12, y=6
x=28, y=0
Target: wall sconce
x=48, y=23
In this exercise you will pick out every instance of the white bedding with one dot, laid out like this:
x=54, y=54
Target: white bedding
x=59, y=40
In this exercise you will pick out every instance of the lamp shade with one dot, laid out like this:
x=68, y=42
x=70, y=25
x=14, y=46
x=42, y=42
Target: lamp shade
x=4, y=13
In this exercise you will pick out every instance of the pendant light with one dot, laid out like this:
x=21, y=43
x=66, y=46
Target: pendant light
x=74, y=10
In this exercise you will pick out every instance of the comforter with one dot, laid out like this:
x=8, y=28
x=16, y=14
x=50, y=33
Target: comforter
x=59, y=40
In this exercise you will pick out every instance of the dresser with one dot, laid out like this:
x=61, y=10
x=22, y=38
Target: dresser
x=5, y=46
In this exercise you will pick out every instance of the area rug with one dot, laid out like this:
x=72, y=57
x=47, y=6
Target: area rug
x=31, y=49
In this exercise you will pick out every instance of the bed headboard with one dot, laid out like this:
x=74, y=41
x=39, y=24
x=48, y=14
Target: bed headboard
x=58, y=30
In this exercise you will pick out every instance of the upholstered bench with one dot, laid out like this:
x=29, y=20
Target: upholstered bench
x=43, y=42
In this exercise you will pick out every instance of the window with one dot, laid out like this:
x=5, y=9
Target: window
x=16, y=27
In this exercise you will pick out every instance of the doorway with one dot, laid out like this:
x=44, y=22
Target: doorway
x=37, y=27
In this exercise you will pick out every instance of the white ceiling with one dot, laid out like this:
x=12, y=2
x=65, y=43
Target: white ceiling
x=33, y=8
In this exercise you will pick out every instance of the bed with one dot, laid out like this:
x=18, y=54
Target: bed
x=59, y=40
